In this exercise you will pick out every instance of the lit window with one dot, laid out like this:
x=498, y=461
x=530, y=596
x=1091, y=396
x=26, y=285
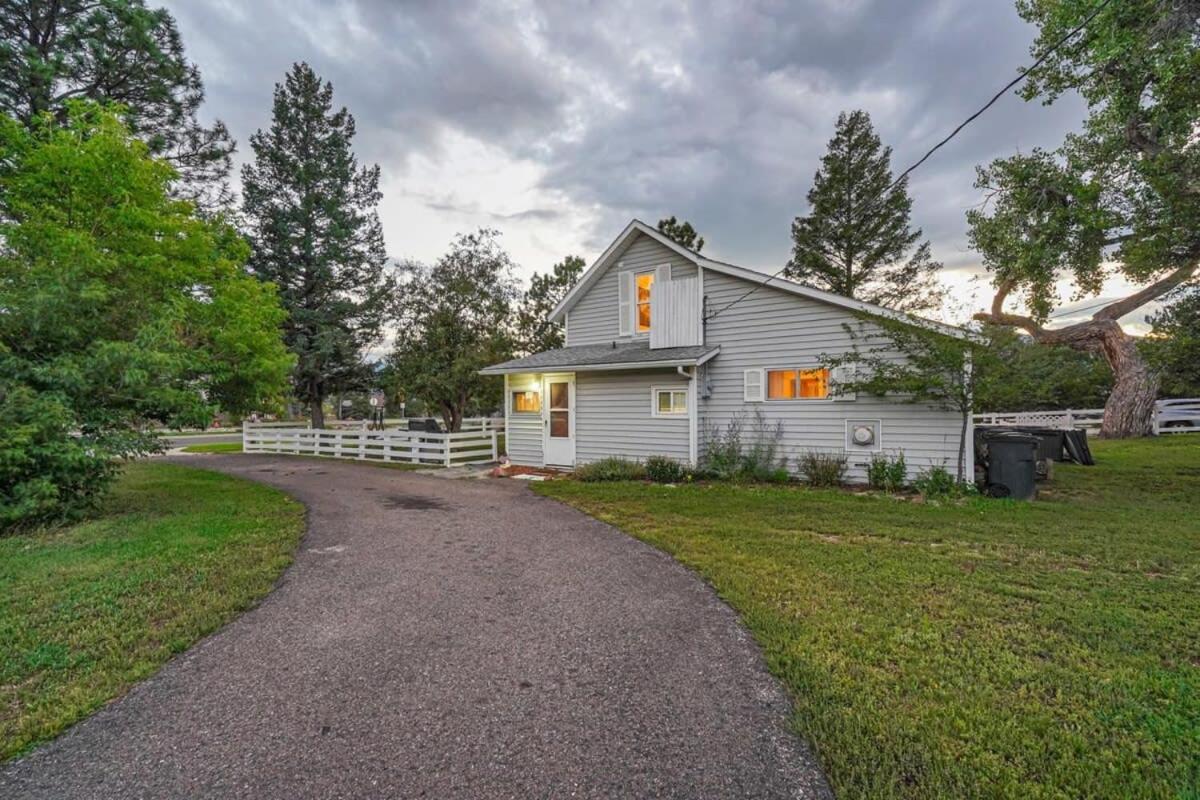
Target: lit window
x=645, y=282
x=526, y=402
x=670, y=402
x=793, y=384
x=814, y=383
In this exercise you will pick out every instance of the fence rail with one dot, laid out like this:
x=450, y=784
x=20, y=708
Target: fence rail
x=1170, y=416
x=408, y=447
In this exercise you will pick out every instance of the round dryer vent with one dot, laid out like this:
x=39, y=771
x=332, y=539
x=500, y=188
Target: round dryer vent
x=863, y=435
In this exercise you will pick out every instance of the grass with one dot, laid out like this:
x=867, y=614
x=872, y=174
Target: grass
x=988, y=649
x=87, y=610
x=214, y=447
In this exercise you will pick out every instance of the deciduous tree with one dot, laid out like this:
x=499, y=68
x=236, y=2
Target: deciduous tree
x=315, y=234
x=1119, y=198
x=856, y=240
x=1173, y=346
x=119, y=309
x=455, y=320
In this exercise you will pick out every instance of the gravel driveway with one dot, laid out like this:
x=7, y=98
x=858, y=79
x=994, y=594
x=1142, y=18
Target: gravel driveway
x=446, y=639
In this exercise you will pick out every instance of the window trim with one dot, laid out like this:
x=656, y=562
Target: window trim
x=513, y=406
x=766, y=384
x=687, y=406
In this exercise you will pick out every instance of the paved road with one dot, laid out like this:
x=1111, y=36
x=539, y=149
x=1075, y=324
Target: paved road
x=446, y=639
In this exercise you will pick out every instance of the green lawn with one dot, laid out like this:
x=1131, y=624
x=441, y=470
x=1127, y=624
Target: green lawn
x=989, y=649
x=87, y=610
x=214, y=447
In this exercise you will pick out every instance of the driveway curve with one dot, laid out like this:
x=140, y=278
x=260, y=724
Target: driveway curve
x=446, y=639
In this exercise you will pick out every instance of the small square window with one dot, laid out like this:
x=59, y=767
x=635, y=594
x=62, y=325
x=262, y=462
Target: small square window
x=670, y=402
x=526, y=402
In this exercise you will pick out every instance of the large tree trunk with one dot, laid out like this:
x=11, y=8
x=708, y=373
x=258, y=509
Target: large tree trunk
x=1130, y=408
x=317, y=413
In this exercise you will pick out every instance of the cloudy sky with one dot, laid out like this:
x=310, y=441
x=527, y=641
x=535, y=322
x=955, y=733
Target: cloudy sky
x=557, y=122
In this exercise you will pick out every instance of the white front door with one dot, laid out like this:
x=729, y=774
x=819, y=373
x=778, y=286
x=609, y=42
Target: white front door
x=558, y=420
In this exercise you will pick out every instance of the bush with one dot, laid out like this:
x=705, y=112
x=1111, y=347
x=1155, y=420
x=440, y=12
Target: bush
x=732, y=455
x=47, y=474
x=823, y=468
x=611, y=469
x=661, y=469
x=936, y=483
x=886, y=473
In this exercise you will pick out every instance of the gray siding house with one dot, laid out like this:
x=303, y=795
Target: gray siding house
x=645, y=373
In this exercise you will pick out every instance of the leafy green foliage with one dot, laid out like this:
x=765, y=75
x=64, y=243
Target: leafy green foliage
x=887, y=473
x=90, y=609
x=681, y=233
x=1018, y=374
x=969, y=650
x=822, y=468
x=316, y=235
x=114, y=51
x=661, y=469
x=741, y=452
x=856, y=240
x=535, y=331
x=454, y=319
x=122, y=309
x=936, y=483
x=612, y=468
x=914, y=365
x=1173, y=346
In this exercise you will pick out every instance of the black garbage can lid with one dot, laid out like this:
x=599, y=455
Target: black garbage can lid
x=1003, y=435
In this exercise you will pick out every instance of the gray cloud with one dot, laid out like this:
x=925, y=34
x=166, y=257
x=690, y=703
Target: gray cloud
x=717, y=112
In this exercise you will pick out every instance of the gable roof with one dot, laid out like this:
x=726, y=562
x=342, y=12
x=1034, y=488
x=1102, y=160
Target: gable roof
x=636, y=227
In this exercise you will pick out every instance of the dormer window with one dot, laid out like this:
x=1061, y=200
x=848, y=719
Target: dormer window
x=644, y=284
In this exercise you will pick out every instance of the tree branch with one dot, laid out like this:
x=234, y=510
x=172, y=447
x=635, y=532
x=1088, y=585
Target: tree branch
x=1155, y=290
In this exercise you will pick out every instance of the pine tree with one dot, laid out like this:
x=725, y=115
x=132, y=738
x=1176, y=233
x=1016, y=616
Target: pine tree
x=682, y=233
x=116, y=51
x=855, y=242
x=535, y=331
x=316, y=235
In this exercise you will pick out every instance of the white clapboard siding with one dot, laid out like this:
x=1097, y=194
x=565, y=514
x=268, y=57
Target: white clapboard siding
x=595, y=319
x=675, y=313
x=410, y=447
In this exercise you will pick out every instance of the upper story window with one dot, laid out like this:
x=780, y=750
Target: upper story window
x=642, y=287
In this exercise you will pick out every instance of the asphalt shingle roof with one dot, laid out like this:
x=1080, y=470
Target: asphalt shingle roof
x=602, y=356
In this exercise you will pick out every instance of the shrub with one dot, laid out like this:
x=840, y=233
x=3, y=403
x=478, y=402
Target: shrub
x=823, y=468
x=732, y=455
x=937, y=483
x=886, y=473
x=611, y=469
x=661, y=469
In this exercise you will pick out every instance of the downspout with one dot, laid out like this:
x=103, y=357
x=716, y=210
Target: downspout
x=693, y=413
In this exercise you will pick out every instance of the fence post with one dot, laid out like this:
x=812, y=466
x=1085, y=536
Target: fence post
x=495, y=446
x=446, y=444
x=1070, y=420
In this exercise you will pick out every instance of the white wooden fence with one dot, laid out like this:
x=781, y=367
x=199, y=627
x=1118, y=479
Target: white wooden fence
x=1170, y=416
x=402, y=446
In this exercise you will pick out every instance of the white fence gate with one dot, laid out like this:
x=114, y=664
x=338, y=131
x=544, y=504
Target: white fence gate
x=1170, y=416
x=478, y=446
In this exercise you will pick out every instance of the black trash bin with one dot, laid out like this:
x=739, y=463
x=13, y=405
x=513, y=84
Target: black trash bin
x=1011, y=464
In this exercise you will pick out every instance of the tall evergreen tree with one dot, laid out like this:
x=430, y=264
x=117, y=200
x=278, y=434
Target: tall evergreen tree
x=535, y=331
x=856, y=241
x=681, y=232
x=316, y=235
x=114, y=51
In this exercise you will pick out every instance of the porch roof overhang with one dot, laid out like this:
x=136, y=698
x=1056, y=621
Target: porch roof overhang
x=600, y=357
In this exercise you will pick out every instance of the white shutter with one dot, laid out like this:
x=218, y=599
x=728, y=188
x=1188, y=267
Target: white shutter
x=752, y=385
x=843, y=373
x=661, y=275
x=625, y=303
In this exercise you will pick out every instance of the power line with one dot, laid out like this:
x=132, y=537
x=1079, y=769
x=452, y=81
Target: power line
x=996, y=97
